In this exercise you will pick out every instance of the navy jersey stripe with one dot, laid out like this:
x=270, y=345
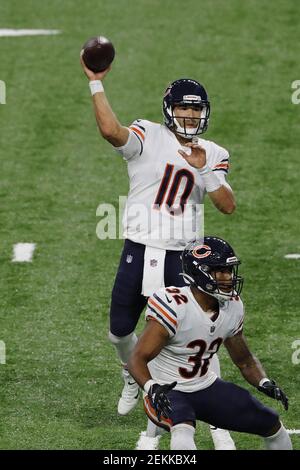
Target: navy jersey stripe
x=142, y=147
x=165, y=305
x=138, y=125
x=162, y=319
x=221, y=169
x=241, y=324
x=238, y=330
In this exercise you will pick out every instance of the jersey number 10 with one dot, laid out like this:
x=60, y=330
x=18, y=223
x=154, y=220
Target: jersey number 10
x=171, y=185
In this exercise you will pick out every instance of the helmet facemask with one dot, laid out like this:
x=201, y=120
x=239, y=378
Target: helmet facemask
x=225, y=290
x=188, y=93
x=185, y=131
x=203, y=279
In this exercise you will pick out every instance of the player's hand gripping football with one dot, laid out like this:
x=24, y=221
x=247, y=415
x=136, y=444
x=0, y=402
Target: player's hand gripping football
x=159, y=400
x=272, y=390
x=197, y=158
x=90, y=74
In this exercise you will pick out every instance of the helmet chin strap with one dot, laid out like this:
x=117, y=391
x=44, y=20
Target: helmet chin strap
x=221, y=297
x=186, y=135
x=192, y=131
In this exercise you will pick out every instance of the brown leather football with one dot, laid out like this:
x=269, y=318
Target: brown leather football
x=98, y=53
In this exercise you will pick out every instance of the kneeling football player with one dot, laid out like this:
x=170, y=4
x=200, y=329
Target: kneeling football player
x=185, y=328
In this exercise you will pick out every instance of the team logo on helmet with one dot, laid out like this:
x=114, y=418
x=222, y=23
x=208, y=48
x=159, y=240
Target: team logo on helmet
x=203, y=254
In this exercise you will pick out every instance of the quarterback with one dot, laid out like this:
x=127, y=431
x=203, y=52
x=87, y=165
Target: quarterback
x=185, y=328
x=170, y=170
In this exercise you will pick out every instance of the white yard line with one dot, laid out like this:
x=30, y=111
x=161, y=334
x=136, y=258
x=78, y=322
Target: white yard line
x=293, y=431
x=2, y=352
x=23, y=252
x=28, y=32
x=293, y=256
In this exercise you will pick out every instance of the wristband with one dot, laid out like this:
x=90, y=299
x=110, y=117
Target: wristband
x=212, y=183
x=96, y=86
x=204, y=169
x=263, y=381
x=148, y=385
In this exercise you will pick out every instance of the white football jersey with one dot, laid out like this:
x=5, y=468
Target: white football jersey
x=163, y=207
x=193, y=337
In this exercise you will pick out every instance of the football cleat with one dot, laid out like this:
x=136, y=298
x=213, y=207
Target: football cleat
x=147, y=443
x=130, y=394
x=222, y=439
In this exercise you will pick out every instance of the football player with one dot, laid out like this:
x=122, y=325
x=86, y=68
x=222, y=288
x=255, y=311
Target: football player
x=170, y=170
x=185, y=328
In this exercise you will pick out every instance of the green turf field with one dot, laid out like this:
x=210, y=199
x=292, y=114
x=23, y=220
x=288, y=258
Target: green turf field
x=60, y=384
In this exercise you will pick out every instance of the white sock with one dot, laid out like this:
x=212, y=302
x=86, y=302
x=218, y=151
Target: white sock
x=124, y=345
x=215, y=365
x=182, y=437
x=221, y=437
x=279, y=441
x=153, y=430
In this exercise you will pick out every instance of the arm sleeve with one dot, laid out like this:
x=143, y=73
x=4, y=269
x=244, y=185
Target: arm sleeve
x=159, y=310
x=221, y=165
x=135, y=143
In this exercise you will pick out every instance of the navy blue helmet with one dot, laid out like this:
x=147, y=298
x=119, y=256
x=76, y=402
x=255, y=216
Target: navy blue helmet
x=202, y=257
x=186, y=92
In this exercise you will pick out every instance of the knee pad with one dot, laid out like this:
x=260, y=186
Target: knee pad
x=182, y=437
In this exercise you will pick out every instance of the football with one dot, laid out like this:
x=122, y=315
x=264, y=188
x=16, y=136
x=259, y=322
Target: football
x=98, y=53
